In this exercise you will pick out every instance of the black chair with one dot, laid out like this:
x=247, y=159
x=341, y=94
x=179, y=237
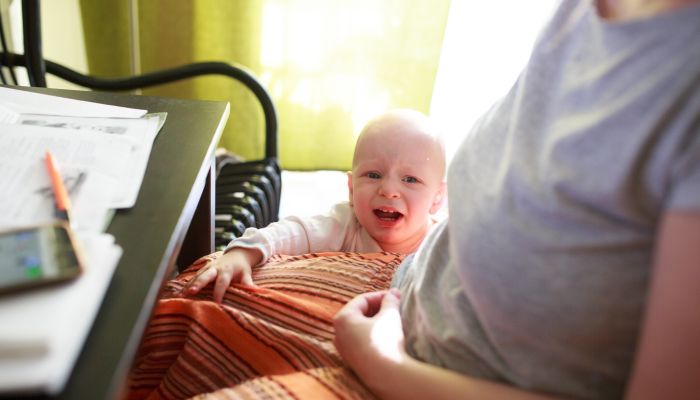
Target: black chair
x=254, y=172
x=37, y=67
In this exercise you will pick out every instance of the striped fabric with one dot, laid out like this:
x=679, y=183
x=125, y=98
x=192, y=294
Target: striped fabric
x=270, y=342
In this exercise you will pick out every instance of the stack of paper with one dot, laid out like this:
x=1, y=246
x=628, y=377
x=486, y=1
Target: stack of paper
x=102, y=151
x=43, y=331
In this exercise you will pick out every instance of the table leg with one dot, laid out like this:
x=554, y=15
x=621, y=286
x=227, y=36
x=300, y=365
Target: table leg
x=199, y=240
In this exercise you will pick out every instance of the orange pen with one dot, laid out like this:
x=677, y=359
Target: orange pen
x=60, y=195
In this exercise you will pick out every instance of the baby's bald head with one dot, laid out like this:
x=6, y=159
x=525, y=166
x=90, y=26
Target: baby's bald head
x=405, y=126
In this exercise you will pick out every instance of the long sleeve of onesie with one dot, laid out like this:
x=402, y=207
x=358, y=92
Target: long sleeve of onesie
x=338, y=230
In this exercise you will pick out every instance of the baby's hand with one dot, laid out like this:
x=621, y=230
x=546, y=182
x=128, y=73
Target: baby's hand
x=233, y=266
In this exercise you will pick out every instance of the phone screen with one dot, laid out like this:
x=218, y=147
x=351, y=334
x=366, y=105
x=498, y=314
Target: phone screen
x=35, y=256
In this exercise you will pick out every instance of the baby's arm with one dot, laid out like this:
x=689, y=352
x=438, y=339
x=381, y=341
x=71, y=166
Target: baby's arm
x=301, y=235
x=291, y=236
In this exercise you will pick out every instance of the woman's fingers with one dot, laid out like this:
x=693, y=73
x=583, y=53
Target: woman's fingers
x=391, y=300
x=364, y=306
x=357, y=305
x=369, y=326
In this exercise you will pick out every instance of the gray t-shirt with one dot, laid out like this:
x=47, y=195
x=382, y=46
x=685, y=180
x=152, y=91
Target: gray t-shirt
x=539, y=277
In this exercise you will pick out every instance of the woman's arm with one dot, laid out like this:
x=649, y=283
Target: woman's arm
x=370, y=339
x=668, y=358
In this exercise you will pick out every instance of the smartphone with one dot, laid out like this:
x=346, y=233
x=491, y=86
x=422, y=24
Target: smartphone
x=37, y=256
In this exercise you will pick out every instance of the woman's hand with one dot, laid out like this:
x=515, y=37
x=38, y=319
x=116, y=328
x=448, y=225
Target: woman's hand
x=368, y=333
x=233, y=266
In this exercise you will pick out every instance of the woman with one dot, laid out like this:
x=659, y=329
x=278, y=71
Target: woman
x=570, y=264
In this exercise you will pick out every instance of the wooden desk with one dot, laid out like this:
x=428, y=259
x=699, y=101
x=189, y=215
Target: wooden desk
x=178, y=182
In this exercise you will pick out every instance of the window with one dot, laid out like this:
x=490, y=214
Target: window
x=486, y=45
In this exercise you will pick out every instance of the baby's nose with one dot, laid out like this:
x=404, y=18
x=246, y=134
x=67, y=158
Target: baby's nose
x=389, y=190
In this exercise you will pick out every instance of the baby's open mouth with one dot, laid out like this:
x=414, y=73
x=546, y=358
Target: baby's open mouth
x=387, y=215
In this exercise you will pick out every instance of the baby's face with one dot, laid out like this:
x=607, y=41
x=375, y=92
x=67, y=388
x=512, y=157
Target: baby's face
x=395, y=184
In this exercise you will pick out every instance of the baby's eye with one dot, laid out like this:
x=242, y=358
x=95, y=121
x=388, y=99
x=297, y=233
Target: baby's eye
x=411, y=179
x=373, y=175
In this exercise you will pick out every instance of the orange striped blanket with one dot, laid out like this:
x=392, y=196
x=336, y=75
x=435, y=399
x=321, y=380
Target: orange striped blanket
x=274, y=341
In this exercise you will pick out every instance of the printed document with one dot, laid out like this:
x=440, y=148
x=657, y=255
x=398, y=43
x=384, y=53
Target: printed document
x=102, y=152
x=24, y=102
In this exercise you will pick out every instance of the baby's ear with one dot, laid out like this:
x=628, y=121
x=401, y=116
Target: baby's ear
x=439, y=198
x=349, y=174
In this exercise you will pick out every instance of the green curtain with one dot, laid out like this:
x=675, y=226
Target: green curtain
x=328, y=65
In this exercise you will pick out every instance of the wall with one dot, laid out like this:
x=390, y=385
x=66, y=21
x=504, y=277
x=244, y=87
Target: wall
x=62, y=34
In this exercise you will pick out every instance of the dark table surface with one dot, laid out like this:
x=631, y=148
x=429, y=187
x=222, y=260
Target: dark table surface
x=151, y=234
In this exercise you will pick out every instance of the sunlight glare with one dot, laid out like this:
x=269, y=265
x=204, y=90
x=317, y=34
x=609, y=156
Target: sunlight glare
x=387, y=335
x=486, y=45
x=272, y=51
